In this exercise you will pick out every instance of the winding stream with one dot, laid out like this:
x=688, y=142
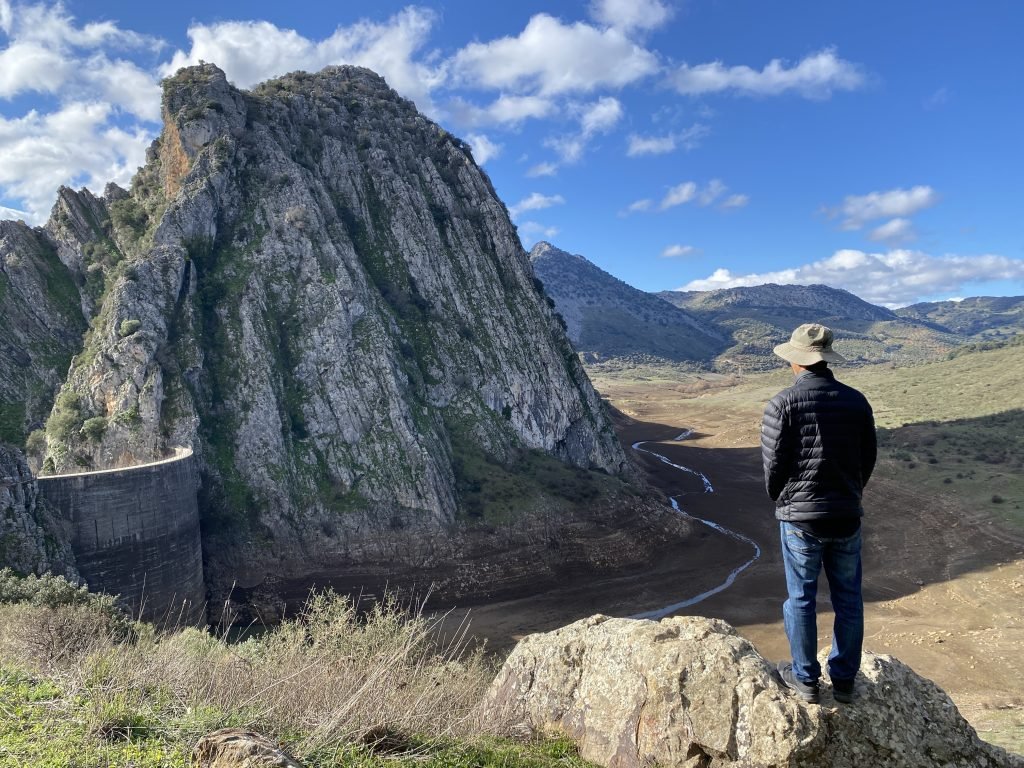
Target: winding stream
x=659, y=613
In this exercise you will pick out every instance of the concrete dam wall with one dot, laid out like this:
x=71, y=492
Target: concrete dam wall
x=136, y=534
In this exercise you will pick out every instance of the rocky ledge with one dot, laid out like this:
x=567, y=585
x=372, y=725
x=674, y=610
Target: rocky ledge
x=689, y=691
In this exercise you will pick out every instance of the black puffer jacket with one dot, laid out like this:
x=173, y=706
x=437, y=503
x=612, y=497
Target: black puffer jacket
x=818, y=446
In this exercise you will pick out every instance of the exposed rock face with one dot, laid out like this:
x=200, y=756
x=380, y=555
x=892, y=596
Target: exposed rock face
x=317, y=289
x=83, y=234
x=41, y=326
x=606, y=318
x=33, y=537
x=688, y=691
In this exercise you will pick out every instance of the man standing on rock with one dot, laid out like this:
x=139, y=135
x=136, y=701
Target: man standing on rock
x=818, y=446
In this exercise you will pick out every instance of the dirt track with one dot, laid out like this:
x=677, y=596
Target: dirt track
x=943, y=593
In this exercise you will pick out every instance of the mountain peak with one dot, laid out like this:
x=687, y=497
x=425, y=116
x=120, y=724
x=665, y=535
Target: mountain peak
x=605, y=317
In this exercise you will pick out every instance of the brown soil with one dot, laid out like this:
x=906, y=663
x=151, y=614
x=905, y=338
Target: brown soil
x=944, y=591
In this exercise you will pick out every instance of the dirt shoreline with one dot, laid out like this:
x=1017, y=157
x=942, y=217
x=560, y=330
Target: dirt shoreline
x=944, y=592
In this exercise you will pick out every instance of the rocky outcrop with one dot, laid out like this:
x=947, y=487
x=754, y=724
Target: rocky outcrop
x=689, y=691
x=82, y=232
x=34, y=538
x=238, y=748
x=606, y=318
x=41, y=326
x=317, y=289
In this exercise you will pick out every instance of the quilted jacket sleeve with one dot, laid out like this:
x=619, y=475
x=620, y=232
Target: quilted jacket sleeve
x=776, y=448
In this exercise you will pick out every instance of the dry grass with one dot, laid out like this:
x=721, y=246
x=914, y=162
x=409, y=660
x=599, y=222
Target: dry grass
x=332, y=677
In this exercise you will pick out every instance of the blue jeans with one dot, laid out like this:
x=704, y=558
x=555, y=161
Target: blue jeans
x=803, y=556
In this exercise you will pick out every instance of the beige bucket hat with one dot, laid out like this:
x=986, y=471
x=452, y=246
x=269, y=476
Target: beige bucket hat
x=810, y=343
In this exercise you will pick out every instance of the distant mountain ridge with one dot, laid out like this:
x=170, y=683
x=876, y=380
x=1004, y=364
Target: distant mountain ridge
x=736, y=328
x=783, y=299
x=984, y=318
x=606, y=317
x=759, y=317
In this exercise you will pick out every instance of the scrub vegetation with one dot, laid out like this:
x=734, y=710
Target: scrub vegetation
x=339, y=684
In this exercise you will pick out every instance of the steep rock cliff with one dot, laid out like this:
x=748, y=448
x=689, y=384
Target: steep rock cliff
x=321, y=293
x=41, y=326
x=34, y=538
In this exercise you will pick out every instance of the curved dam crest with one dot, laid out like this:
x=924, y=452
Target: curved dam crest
x=135, y=533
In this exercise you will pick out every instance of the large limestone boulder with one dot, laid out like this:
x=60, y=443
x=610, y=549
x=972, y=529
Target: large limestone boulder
x=689, y=691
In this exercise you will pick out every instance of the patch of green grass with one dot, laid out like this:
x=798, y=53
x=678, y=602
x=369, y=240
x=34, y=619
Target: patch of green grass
x=500, y=490
x=419, y=752
x=979, y=461
x=46, y=728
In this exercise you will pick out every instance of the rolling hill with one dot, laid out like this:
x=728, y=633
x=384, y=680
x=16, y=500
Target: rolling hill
x=759, y=317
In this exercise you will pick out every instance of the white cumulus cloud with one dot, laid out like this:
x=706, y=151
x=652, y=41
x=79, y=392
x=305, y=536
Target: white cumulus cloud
x=542, y=169
x=660, y=145
x=895, y=278
x=75, y=145
x=506, y=110
x=483, y=148
x=677, y=251
x=735, y=201
x=857, y=210
x=711, y=192
x=12, y=213
x=6, y=16
x=630, y=14
x=815, y=76
x=595, y=118
x=252, y=51
x=531, y=231
x=550, y=57
x=637, y=206
x=894, y=231
x=107, y=113
x=535, y=202
x=679, y=194
x=650, y=145
x=600, y=116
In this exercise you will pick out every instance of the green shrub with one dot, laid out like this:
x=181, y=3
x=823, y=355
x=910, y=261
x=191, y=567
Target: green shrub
x=128, y=214
x=35, y=445
x=66, y=418
x=128, y=327
x=94, y=428
x=51, y=618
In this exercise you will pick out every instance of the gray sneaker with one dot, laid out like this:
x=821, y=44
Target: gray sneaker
x=843, y=691
x=806, y=691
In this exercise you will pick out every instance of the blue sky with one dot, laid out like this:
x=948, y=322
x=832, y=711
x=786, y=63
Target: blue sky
x=872, y=146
